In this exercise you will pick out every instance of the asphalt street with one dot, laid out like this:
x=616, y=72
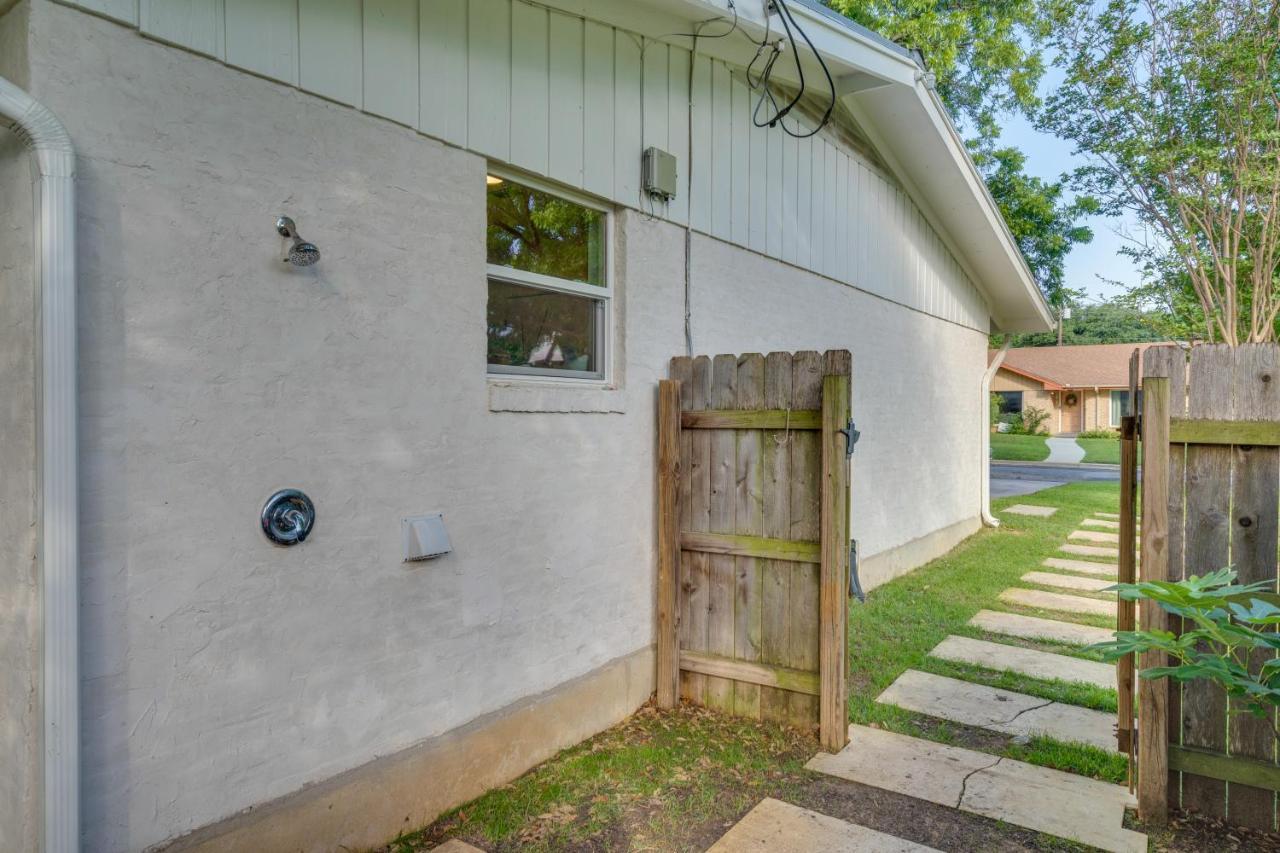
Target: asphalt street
x=1024, y=478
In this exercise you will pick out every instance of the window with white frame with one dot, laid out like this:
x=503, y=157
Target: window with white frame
x=1120, y=402
x=550, y=294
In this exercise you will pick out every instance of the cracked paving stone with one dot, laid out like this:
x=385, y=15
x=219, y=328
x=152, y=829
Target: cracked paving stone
x=1083, y=810
x=998, y=710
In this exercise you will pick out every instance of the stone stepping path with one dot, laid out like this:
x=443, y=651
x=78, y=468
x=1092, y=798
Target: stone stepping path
x=1037, y=798
x=1102, y=523
x=1095, y=536
x=998, y=710
x=1057, y=601
x=1087, y=567
x=1090, y=551
x=1030, y=662
x=1066, y=581
x=777, y=827
x=1028, y=509
x=1035, y=628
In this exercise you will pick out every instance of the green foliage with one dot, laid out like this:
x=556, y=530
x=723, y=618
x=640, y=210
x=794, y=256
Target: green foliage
x=1118, y=322
x=1174, y=102
x=1226, y=624
x=987, y=57
x=993, y=413
x=1029, y=422
x=1041, y=221
x=1100, y=433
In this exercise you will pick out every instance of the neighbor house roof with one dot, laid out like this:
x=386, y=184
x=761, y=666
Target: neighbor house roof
x=1087, y=366
x=891, y=95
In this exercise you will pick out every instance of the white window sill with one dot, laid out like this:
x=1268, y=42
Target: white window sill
x=514, y=396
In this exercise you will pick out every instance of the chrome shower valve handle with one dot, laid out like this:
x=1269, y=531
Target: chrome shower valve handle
x=287, y=517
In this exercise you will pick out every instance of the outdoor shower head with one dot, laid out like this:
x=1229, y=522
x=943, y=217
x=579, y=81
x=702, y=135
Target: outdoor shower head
x=301, y=253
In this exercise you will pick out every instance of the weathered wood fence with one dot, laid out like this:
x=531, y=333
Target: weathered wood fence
x=753, y=536
x=1210, y=499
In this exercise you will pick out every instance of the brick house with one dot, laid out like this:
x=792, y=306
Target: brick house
x=1082, y=387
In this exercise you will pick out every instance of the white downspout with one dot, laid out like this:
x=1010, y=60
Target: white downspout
x=53, y=175
x=985, y=499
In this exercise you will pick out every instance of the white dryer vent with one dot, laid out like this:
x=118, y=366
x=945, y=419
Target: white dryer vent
x=424, y=537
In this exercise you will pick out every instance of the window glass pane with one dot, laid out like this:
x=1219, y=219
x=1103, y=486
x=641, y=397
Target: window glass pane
x=1119, y=402
x=531, y=327
x=1010, y=402
x=538, y=232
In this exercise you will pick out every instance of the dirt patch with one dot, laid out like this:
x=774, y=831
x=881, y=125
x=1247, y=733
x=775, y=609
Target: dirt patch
x=676, y=781
x=1191, y=833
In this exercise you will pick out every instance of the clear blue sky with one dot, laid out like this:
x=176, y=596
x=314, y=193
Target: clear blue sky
x=1048, y=157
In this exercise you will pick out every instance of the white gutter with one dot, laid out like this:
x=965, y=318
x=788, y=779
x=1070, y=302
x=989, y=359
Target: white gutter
x=53, y=175
x=985, y=499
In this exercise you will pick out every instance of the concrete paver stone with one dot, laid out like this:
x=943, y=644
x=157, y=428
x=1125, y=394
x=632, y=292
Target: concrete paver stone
x=998, y=710
x=1066, y=581
x=1058, y=601
x=777, y=827
x=1028, y=509
x=1035, y=628
x=1090, y=551
x=1098, y=536
x=1030, y=662
x=1038, y=798
x=1088, y=567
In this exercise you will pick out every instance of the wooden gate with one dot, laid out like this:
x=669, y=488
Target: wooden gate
x=753, y=536
x=1210, y=499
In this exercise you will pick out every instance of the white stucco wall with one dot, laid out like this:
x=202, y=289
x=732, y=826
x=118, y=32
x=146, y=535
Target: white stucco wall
x=220, y=671
x=20, y=719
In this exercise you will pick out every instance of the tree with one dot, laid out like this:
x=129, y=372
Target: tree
x=986, y=56
x=1108, y=323
x=1043, y=224
x=987, y=61
x=1175, y=103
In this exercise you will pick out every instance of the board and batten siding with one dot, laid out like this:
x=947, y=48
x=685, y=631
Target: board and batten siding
x=577, y=101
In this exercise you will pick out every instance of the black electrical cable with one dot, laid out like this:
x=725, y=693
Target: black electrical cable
x=777, y=113
x=831, y=83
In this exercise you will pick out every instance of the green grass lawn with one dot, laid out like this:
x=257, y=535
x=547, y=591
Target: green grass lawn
x=1106, y=450
x=904, y=619
x=1019, y=448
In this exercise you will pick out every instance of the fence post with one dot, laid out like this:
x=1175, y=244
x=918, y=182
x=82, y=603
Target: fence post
x=1153, y=695
x=833, y=585
x=668, y=685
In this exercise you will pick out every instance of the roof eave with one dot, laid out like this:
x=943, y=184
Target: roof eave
x=913, y=133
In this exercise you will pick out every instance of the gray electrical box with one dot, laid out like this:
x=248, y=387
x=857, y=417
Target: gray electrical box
x=659, y=173
x=424, y=537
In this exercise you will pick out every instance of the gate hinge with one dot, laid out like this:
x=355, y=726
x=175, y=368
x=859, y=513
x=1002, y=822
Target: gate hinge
x=851, y=436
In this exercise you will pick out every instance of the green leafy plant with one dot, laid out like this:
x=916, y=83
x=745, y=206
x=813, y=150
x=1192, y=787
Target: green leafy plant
x=1226, y=626
x=994, y=403
x=1029, y=422
x=1100, y=433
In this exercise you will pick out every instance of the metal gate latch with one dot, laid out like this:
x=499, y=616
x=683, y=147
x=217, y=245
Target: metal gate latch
x=851, y=436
